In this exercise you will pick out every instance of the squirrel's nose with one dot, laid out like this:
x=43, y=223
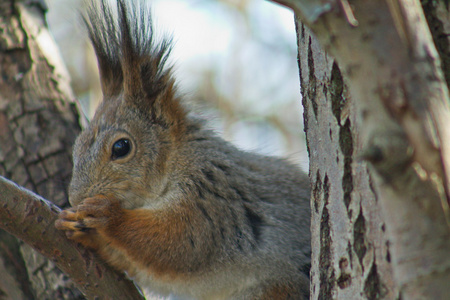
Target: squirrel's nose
x=75, y=198
x=76, y=193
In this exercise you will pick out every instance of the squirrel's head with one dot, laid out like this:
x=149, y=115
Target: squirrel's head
x=123, y=152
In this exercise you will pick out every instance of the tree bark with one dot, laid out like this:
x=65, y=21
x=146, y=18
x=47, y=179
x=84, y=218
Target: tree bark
x=31, y=218
x=38, y=123
x=376, y=121
x=351, y=252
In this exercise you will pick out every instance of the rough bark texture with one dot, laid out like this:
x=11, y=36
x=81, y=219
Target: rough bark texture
x=38, y=124
x=437, y=14
x=31, y=218
x=379, y=227
x=351, y=252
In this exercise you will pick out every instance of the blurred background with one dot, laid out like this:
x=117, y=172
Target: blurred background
x=235, y=62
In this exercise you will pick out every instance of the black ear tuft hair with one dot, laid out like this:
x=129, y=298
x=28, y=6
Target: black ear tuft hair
x=128, y=58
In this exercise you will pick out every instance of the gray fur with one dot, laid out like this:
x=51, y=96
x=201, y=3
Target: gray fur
x=250, y=225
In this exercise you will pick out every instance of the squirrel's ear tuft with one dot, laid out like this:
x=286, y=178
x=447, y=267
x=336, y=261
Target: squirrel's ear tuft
x=130, y=61
x=102, y=30
x=143, y=60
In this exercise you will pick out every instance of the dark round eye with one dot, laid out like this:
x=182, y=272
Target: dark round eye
x=120, y=148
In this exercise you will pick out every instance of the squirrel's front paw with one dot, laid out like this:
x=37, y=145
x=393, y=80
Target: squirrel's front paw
x=92, y=215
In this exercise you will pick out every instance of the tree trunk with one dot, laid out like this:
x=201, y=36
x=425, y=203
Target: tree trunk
x=376, y=122
x=351, y=254
x=38, y=124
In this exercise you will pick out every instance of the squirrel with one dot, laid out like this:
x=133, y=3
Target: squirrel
x=161, y=197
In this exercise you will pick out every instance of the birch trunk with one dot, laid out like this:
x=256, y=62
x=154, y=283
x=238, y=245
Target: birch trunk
x=376, y=120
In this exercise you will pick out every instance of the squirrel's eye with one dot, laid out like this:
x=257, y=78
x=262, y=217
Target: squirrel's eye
x=120, y=148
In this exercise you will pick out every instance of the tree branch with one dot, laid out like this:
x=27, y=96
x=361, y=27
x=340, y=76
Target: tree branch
x=31, y=218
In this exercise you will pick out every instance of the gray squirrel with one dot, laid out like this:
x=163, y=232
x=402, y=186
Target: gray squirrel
x=157, y=195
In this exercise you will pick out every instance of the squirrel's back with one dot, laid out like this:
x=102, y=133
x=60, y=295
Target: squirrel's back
x=256, y=213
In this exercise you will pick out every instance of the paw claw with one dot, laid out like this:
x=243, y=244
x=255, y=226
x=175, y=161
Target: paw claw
x=80, y=225
x=89, y=216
